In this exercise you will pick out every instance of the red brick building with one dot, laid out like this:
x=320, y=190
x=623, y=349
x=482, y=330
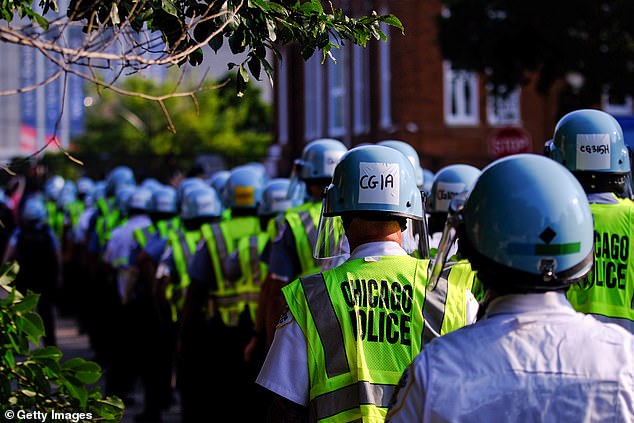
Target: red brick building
x=402, y=89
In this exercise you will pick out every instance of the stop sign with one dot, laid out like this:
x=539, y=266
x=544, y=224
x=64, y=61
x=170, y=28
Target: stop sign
x=509, y=140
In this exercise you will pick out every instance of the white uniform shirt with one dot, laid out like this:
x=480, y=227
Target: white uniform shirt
x=285, y=369
x=532, y=359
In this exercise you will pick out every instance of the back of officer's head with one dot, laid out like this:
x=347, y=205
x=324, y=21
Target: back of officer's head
x=590, y=144
x=526, y=226
x=313, y=170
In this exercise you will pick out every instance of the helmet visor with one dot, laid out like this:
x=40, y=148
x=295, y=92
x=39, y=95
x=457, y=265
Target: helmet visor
x=332, y=242
x=296, y=186
x=331, y=238
x=447, y=240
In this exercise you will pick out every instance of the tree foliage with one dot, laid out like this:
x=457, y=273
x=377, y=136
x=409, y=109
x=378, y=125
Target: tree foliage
x=135, y=34
x=35, y=378
x=216, y=121
x=590, y=40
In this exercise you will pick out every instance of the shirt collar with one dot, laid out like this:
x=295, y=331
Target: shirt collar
x=378, y=249
x=529, y=303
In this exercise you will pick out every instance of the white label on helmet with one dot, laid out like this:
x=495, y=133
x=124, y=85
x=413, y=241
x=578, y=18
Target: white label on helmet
x=331, y=158
x=593, y=151
x=379, y=183
x=445, y=191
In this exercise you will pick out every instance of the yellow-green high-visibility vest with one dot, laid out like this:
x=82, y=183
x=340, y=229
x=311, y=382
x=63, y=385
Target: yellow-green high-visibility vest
x=183, y=244
x=221, y=239
x=141, y=235
x=253, y=269
x=303, y=221
x=608, y=290
x=365, y=321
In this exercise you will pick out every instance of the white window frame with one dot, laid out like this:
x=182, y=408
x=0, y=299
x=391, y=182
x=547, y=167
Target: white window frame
x=361, y=95
x=337, y=93
x=503, y=110
x=385, y=80
x=313, y=97
x=461, y=89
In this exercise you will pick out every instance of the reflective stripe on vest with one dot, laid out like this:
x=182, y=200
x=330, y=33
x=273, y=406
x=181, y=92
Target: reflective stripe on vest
x=183, y=248
x=141, y=235
x=303, y=223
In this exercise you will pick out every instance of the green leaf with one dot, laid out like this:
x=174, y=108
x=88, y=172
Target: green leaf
x=393, y=21
x=169, y=7
x=85, y=371
x=76, y=391
x=32, y=325
x=255, y=67
x=28, y=303
x=50, y=352
x=313, y=6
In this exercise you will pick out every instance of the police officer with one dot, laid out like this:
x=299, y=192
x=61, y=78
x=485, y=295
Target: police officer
x=526, y=227
x=448, y=182
x=214, y=298
x=36, y=248
x=290, y=253
x=126, y=312
x=590, y=143
x=351, y=330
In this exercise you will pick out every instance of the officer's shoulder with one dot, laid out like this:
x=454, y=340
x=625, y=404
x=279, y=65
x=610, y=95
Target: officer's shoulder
x=286, y=318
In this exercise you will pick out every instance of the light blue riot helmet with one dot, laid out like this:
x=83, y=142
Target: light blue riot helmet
x=201, y=202
x=243, y=190
x=33, y=210
x=428, y=180
x=53, y=186
x=122, y=197
x=164, y=201
x=448, y=182
x=526, y=226
x=274, y=198
x=186, y=185
x=590, y=144
x=65, y=197
x=411, y=153
x=316, y=165
x=151, y=183
x=140, y=201
x=85, y=186
x=377, y=183
x=218, y=180
x=120, y=175
x=258, y=167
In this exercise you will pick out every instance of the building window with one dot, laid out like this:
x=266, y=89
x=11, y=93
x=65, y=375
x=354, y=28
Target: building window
x=503, y=109
x=385, y=80
x=313, y=89
x=614, y=107
x=461, y=96
x=337, y=93
x=361, y=95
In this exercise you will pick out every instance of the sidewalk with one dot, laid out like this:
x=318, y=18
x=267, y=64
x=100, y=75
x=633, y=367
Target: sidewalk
x=74, y=344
